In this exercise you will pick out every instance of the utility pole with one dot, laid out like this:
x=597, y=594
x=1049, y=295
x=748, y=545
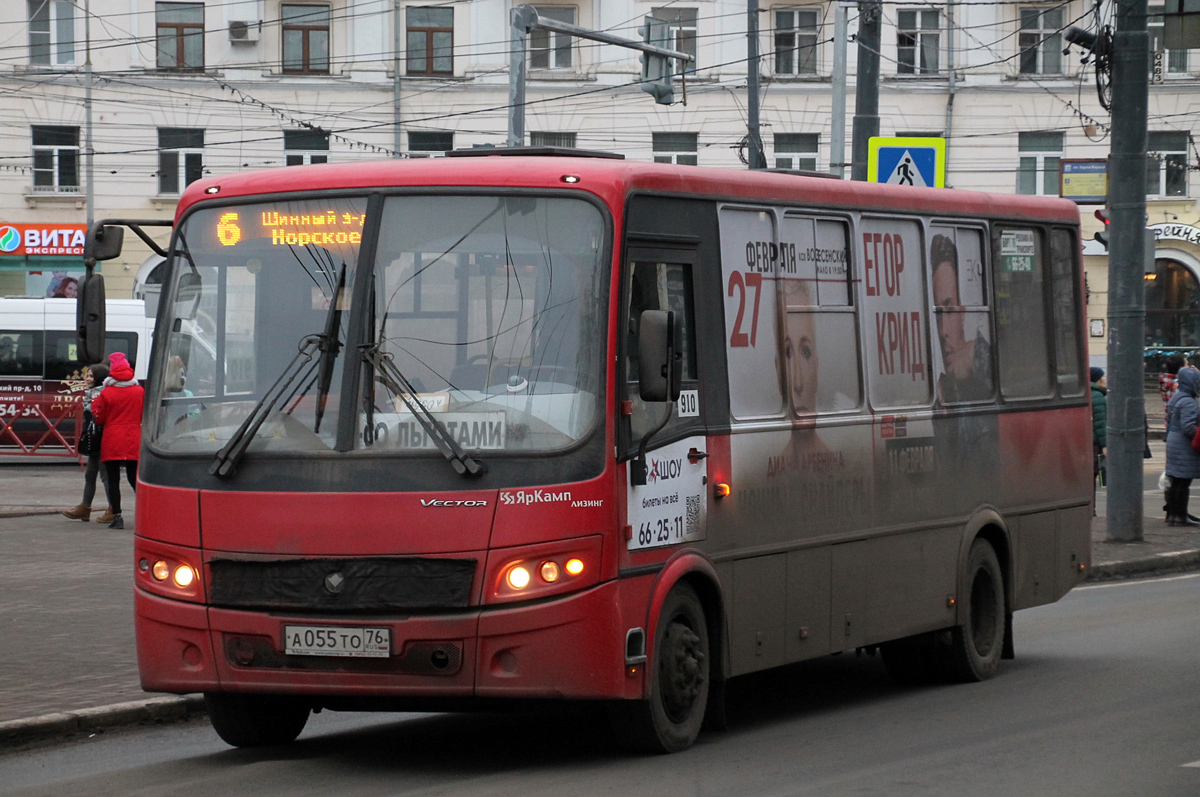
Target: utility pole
x=88, y=152
x=1126, y=294
x=837, y=122
x=753, y=129
x=866, y=90
x=397, y=32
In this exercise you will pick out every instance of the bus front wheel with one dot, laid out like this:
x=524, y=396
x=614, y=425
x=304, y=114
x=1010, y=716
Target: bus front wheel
x=255, y=720
x=977, y=645
x=679, y=681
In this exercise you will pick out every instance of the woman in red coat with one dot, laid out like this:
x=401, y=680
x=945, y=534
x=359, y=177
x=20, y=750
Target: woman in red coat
x=119, y=409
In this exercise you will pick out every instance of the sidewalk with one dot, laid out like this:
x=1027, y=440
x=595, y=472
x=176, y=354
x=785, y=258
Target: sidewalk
x=67, y=657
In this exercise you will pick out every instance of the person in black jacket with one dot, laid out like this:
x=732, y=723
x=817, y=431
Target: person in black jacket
x=1099, y=396
x=89, y=443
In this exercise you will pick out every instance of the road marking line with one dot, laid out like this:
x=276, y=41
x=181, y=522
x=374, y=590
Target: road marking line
x=1139, y=581
x=1194, y=765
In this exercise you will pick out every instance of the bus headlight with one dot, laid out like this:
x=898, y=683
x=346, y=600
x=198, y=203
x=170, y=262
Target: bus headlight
x=518, y=577
x=184, y=576
x=545, y=569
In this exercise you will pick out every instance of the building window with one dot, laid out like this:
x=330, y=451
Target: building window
x=55, y=159
x=305, y=146
x=675, y=147
x=1176, y=60
x=427, y=144
x=546, y=139
x=180, y=158
x=51, y=32
x=1040, y=155
x=550, y=49
x=1166, y=163
x=180, y=28
x=796, y=41
x=917, y=42
x=1040, y=41
x=305, y=39
x=430, y=41
x=681, y=27
x=796, y=151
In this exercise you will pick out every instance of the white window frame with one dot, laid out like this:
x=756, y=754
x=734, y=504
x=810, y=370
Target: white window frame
x=183, y=157
x=550, y=49
x=303, y=156
x=1042, y=162
x=1176, y=60
x=1042, y=38
x=671, y=147
x=923, y=41
x=61, y=20
x=795, y=42
x=56, y=154
x=683, y=33
x=789, y=155
x=1164, y=159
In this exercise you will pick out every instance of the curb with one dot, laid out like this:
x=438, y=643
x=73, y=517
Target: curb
x=154, y=709
x=14, y=511
x=1159, y=563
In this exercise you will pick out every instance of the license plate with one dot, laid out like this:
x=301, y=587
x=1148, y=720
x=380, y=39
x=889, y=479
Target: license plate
x=329, y=640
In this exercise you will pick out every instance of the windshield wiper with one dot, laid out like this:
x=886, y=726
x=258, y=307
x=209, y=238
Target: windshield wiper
x=387, y=372
x=226, y=461
x=330, y=346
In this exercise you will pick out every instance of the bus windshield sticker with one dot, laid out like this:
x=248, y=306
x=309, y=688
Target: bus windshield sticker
x=484, y=431
x=1017, y=250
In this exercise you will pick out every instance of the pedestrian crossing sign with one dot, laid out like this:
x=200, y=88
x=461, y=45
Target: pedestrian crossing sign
x=907, y=160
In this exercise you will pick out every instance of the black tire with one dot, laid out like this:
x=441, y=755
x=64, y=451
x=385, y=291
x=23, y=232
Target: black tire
x=255, y=720
x=976, y=646
x=679, y=681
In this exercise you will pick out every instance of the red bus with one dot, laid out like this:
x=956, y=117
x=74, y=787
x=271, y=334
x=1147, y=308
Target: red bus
x=532, y=426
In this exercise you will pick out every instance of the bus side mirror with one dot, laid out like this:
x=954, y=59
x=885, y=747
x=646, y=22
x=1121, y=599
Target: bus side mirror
x=90, y=319
x=660, y=359
x=103, y=242
x=187, y=295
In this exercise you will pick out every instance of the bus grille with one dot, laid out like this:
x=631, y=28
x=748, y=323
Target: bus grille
x=342, y=584
x=418, y=658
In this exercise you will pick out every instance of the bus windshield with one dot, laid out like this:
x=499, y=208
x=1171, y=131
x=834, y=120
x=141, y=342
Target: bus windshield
x=488, y=306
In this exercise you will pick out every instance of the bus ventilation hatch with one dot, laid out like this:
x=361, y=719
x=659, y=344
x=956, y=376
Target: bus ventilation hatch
x=487, y=151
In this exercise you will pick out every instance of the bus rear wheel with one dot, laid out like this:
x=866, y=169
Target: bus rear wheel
x=679, y=681
x=255, y=720
x=977, y=645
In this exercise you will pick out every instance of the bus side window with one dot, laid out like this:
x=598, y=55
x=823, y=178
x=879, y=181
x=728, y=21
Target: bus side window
x=658, y=286
x=896, y=310
x=20, y=353
x=960, y=304
x=1063, y=286
x=1021, y=313
x=820, y=341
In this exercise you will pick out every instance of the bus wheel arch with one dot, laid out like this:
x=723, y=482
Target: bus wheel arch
x=686, y=661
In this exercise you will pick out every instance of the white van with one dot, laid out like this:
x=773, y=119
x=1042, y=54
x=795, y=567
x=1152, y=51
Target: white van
x=38, y=344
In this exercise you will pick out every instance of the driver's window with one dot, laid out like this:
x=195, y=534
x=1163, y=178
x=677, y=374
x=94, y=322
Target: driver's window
x=658, y=286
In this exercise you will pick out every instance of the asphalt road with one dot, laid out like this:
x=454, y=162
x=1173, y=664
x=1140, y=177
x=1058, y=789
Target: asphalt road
x=1103, y=699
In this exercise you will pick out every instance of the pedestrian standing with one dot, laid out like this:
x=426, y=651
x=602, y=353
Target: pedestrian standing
x=89, y=444
x=119, y=409
x=1167, y=380
x=1099, y=397
x=1183, y=463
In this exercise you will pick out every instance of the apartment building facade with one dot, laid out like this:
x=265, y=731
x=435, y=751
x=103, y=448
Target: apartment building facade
x=186, y=88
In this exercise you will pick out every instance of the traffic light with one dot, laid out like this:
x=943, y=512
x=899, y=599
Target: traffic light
x=1102, y=235
x=657, y=77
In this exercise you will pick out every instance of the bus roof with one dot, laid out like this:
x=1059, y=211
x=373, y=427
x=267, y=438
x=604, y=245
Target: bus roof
x=612, y=180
